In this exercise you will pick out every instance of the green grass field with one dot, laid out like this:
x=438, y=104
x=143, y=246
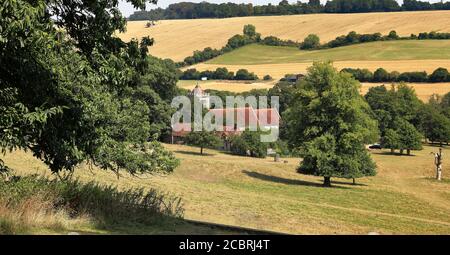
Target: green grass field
x=259, y=193
x=389, y=50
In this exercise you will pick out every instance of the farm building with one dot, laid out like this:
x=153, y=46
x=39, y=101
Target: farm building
x=244, y=118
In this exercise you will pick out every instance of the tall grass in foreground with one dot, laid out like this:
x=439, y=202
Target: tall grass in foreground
x=35, y=203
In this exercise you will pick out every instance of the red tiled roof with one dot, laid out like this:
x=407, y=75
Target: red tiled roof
x=248, y=115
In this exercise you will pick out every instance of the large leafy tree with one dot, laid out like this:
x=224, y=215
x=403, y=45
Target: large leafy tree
x=75, y=92
x=434, y=125
x=329, y=122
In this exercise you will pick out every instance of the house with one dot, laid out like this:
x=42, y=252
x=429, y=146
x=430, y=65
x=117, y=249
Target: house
x=244, y=118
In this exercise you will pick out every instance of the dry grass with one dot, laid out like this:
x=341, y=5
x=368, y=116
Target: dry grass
x=423, y=90
x=233, y=86
x=259, y=193
x=197, y=34
x=35, y=214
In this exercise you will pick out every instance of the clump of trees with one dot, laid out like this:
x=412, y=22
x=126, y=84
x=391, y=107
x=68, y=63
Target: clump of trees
x=248, y=144
x=72, y=92
x=275, y=41
x=221, y=73
x=329, y=122
x=396, y=110
x=381, y=75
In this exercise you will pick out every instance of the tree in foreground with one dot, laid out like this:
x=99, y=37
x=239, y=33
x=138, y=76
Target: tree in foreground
x=71, y=91
x=329, y=123
x=202, y=139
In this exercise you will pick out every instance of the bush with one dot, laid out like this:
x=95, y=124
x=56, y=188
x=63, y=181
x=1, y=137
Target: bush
x=275, y=41
x=267, y=77
x=439, y=75
x=244, y=74
x=392, y=35
x=363, y=75
x=312, y=41
x=222, y=73
x=190, y=74
x=413, y=77
x=381, y=75
x=248, y=144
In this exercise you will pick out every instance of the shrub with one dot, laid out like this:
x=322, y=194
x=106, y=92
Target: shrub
x=439, y=75
x=312, y=41
x=413, y=77
x=381, y=75
x=267, y=77
x=244, y=74
x=248, y=144
x=363, y=75
x=190, y=74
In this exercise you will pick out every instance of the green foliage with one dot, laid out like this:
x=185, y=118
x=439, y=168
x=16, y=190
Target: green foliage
x=397, y=113
x=410, y=138
x=244, y=74
x=381, y=75
x=221, y=73
x=439, y=75
x=249, y=144
x=275, y=41
x=434, y=125
x=362, y=75
x=250, y=31
x=285, y=92
x=312, y=41
x=329, y=121
x=203, y=139
x=267, y=77
x=391, y=140
x=78, y=93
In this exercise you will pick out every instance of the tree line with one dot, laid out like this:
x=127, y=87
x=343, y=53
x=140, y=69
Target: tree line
x=188, y=10
x=221, y=73
x=312, y=41
x=381, y=75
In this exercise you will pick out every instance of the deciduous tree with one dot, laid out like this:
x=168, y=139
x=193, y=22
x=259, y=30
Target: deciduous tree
x=330, y=122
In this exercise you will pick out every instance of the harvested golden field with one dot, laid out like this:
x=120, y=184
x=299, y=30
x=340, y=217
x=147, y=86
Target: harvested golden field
x=403, y=198
x=177, y=39
x=232, y=86
x=423, y=90
x=278, y=71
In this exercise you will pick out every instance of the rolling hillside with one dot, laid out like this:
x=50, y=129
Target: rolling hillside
x=177, y=39
x=255, y=54
x=402, y=198
x=399, y=56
